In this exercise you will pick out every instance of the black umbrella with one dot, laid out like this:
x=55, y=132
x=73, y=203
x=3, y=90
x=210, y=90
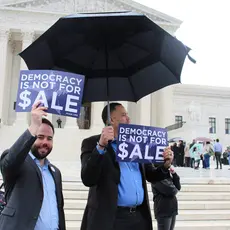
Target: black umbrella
x=124, y=56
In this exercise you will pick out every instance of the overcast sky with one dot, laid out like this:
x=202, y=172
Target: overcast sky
x=206, y=30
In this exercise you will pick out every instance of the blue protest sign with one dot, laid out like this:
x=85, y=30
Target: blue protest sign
x=60, y=92
x=143, y=144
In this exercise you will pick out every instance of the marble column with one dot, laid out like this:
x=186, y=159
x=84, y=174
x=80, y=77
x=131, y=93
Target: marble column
x=96, y=120
x=71, y=122
x=4, y=38
x=27, y=38
x=165, y=116
x=8, y=103
x=132, y=112
x=153, y=110
x=144, y=110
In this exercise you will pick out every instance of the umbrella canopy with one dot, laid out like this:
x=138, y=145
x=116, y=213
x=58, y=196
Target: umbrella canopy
x=124, y=56
x=203, y=139
x=176, y=139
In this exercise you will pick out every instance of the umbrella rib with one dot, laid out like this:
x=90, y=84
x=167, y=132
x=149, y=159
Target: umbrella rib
x=119, y=58
x=171, y=72
x=135, y=45
x=72, y=49
x=133, y=90
x=131, y=84
x=94, y=59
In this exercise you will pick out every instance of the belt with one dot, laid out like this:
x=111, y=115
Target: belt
x=129, y=209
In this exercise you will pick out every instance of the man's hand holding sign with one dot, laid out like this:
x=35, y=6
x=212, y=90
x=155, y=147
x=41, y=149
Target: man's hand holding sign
x=37, y=113
x=106, y=136
x=168, y=157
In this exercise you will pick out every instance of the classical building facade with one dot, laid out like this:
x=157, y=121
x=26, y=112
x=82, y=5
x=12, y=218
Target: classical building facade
x=21, y=22
x=204, y=110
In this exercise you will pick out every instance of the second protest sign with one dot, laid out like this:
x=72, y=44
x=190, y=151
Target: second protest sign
x=143, y=144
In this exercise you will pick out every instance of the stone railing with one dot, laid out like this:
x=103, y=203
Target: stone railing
x=175, y=126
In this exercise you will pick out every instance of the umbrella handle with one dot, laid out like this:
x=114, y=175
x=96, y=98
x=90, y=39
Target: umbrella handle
x=108, y=113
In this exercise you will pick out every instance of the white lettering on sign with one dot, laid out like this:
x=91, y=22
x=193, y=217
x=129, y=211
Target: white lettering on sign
x=137, y=154
x=142, y=132
x=71, y=101
x=50, y=78
x=159, y=153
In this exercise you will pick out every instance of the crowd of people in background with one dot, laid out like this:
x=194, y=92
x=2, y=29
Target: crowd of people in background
x=197, y=155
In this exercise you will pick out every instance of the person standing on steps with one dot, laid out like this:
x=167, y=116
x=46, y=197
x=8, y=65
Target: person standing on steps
x=33, y=186
x=118, y=195
x=164, y=197
x=59, y=121
x=218, y=152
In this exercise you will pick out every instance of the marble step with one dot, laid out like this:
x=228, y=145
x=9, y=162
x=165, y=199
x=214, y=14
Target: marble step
x=189, y=196
x=180, y=225
x=183, y=205
x=184, y=188
x=184, y=215
x=75, y=178
x=184, y=176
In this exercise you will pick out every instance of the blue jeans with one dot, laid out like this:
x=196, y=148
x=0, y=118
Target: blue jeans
x=207, y=160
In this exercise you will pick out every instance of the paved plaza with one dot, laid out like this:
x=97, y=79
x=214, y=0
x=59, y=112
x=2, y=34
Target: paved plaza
x=71, y=171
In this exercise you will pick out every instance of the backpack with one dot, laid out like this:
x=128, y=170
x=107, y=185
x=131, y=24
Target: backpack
x=2, y=198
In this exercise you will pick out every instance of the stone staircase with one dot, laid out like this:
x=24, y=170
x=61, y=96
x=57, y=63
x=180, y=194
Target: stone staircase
x=204, y=204
x=204, y=200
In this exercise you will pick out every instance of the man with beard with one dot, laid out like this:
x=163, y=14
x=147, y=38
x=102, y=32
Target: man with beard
x=118, y=195
x=33, y=186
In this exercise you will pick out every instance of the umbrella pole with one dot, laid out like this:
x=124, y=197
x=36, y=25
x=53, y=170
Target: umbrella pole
x=108, y=102
x=107, y=82
x=108, y=112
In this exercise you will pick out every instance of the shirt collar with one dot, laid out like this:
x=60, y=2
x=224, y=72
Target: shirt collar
x=36, y=160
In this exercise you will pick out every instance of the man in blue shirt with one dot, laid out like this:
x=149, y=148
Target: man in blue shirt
x=33, y=186
x=118, y=195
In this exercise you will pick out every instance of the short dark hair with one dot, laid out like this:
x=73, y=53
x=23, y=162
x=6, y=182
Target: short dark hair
x=104, y=114
x=217, y=140
x=47, y=122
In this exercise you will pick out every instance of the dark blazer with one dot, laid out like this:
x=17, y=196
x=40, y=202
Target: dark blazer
x=102, y=174
x=23, y=187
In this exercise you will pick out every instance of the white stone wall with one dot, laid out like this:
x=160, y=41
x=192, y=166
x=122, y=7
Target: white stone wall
x=211, y=102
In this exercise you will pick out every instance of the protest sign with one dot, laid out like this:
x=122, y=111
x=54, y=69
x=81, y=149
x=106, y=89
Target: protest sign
x=60, y=92
x=143, y=144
